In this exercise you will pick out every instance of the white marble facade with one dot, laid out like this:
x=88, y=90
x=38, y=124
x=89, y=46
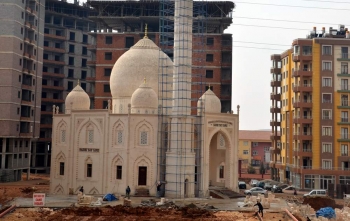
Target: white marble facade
x=107, y=150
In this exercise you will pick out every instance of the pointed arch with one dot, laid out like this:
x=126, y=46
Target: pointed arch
x=143, y=161
x=144, y=133
x=94, y=191
x=118, y=133
x=89, y=125
x=61, y=132
x=60, y=169
x=116, y=161
x=88, y=167
x=59, y=190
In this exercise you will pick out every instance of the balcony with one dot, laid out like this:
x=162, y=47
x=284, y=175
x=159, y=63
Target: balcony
x=305, y=56
x=344, y=88
x=344, y=103
x=91, y=63
x=302, y=120
x=275, y=70
x=54, y=62
x=275, y=83
x=52, y=100
x=302, y=104
x=275, y=123
x=275, y=150
x=344, y=137
x=275, y=110
x=302, y=136
x=30, y=25
x=344, y=57
x=305, y=72
x=57, y=50
x=51, y=87
x=30, y=11
x=48, y=74
x=57, y=37
x=91, y=47
x=275, y=137
x=275, y=96
x=302, y=88
x=29, y=41
x=344, y=73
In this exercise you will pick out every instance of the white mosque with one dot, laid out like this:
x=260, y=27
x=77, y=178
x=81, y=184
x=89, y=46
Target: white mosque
x=109, y=149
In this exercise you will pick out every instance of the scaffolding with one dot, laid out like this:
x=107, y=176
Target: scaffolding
x=180, y=119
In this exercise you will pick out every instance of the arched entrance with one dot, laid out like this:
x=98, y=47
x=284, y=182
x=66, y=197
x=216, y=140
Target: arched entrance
x=217, y=160
x=186, y=188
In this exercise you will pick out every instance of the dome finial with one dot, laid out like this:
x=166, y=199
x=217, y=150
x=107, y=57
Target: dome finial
x=146, y=29
x=144, y=80
x=78, y=82
x=209, y=87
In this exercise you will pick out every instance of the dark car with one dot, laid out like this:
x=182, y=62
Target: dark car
x=268, y=186
x=242, y=185
x=260, y=184
x=279, y=188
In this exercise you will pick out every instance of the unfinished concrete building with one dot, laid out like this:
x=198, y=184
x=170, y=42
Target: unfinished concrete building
x=65, y=57
x=21, y=50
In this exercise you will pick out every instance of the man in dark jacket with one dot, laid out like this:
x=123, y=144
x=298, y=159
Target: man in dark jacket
x=81, y=189
x=261, y=208
x=128, y=192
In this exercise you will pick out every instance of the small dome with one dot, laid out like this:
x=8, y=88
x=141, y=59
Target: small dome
x=77, y=99
x=142, y=60
x=211, y=102
x=144, y=98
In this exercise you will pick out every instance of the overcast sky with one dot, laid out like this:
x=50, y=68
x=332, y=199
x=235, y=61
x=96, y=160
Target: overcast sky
x=253, y=28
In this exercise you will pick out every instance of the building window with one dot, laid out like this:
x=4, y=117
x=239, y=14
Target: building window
x=326, y=98
x=83, y=85
x=326, y=65
x=83, y=74
x=109, y=40
x=245, y=143
x=326, y=148
x=144, y=138
x=70, y=85
x=344, y=116
x=71, y=48
x=129, y=42
x=85, y=39
x=209, y=74
x=61, y=168
x=245, y=152
x=119, y=137
x=83, y=62
x=21, y=31
x=326, y=50
x=326, y=82
x=327, y=164
x=89, y=170
x=84, y=51
x=266, y=149
x=344, y=52
x=108, y=71
x=326, y=114
x=344, y=150
x=221, y=172
x=209, y=87
x=119, y=173
x=106, y=88
x=210, y=41
x=108, y=56
x=209, y=58
x=71, y=61
x=71, y=36
x=90, y=136
x=326, y=131
x=344, y=133
x=255, y=153
x=344, y=84
x=71, y=73
x=344, y=68
x=63, y=136
x=20, y=62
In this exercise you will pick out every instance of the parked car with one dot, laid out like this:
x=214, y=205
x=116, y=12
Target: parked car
x=278, y=188
x=260, y=184
x=268, y=186
x=316, y=193
x=255, y=191
x=242, y=185
x=253, y=183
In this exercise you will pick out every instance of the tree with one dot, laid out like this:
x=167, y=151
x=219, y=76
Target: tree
x=251, y=169
x=262, y=169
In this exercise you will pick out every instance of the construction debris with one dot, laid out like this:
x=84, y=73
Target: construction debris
x=250, y=201
x=318, y=202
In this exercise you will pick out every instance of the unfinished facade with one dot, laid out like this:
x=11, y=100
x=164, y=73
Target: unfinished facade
x=21, y=52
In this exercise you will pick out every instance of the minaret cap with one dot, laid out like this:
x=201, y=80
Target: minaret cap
x=146, y=29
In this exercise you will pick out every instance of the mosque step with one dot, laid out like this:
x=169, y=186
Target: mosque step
x=216, y=194
x=142, y=192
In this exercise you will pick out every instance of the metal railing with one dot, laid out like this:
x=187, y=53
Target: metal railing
x=344, y=55
x=344, y=87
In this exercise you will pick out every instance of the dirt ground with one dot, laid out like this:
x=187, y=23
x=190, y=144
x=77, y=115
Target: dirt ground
x=128, y=214
x=25, y=188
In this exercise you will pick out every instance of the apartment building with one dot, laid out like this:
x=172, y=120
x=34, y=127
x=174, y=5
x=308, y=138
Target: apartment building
x=310, y=105
x=212, y=49
x=254, y=147
x=21, y=50
x=65, y=59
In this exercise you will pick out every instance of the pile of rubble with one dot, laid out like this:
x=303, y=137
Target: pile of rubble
x=164, y=203
x=250, y=201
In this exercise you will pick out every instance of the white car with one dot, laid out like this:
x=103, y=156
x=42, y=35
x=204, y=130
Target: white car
x=253, y=183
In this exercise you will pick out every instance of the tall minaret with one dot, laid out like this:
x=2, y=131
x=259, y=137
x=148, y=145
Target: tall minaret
x=180, y=157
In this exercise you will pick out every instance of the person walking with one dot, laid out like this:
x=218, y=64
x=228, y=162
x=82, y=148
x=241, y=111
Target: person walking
x=128, y=192
x=159, y=185
x=261, y=208
x=295, y=191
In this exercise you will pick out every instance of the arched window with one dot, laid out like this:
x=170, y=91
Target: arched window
x=63, y=136
x=90, y=134
x=119, y=137
x=88, y=167
x=144, y=133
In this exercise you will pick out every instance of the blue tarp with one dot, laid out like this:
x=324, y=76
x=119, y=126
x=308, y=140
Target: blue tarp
x=327, y=212
x=109, y=197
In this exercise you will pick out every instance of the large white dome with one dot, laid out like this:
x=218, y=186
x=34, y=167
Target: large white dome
x=77, y=99
x=210, y=101
x=141, y=61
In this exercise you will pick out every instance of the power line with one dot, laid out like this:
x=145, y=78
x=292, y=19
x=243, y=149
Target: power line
x=261, y=26
x=295, y=6
x=251, y=42
x=275, y=49
x=326, y=1
x=268, y=19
